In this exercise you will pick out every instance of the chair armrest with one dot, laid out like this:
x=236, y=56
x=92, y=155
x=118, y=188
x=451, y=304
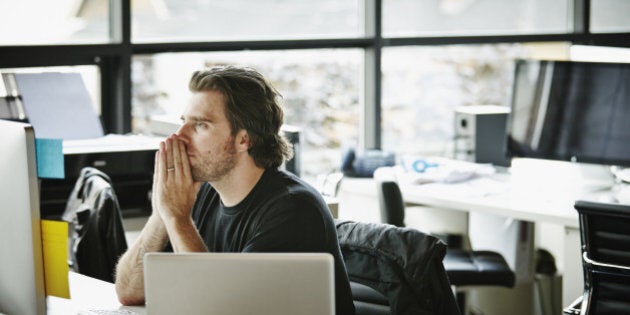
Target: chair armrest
x=623, y=269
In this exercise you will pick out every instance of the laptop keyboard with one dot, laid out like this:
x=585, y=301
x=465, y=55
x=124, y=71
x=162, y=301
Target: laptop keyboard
x=108, y=312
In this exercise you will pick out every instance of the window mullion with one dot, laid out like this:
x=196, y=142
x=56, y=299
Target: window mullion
x=370, y=131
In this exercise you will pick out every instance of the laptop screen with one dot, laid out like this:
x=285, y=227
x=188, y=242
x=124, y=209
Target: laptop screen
x=239, y=283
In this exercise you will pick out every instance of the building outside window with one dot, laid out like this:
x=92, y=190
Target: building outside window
x=40, y=22
x=423, y=85
x=409, y=18
x=320, y=94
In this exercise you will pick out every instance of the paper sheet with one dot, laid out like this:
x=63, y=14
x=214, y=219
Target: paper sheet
x=55, y=252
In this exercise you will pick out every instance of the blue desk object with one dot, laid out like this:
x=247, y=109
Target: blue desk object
x=420, y=166
x=49, y=158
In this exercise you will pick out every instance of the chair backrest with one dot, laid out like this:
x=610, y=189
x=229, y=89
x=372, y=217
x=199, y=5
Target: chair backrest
x=391, y=203
x=97, y=237
x=605, y=236
x=403, y=264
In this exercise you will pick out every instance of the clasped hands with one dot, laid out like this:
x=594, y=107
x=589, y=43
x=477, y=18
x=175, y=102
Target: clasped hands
x=174, y=189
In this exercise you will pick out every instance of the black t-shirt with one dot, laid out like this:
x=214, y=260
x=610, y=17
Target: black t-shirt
x=281, y=214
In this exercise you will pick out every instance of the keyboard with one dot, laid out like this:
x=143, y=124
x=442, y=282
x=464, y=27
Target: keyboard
x=107, y=312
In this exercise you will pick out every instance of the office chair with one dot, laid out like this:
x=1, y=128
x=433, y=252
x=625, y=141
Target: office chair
x=463, y=267
x=605, y=239
x=97, y=237
x=395, y=270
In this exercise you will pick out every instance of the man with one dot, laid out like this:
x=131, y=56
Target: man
x=217, y=186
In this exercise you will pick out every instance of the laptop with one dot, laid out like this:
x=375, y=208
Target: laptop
x=239, y=283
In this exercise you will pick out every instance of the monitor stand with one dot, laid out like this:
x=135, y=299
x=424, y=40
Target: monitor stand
x=621, y=189
x=621, y=174
x=621, y=194
x=595, y=177
x=570, y=179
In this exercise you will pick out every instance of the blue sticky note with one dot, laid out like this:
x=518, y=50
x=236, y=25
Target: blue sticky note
x=49, y=158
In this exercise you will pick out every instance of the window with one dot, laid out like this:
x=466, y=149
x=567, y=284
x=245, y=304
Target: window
x=609, y=16
x=32, y=22
x=228, y=20
x=422, y=86
x=320, y=91
x=403, y=18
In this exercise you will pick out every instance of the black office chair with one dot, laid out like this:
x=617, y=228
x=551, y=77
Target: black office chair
x=97, y=237
x=463, y=267
x=395, y=270
x=605, y=237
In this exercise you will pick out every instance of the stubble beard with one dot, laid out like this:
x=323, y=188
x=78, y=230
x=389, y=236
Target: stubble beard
x=215, y=167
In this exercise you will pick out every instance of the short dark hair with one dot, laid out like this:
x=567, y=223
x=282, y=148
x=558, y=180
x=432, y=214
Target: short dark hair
x=251, y=103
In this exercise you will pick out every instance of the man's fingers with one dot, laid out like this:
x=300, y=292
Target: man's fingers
x=162, y=163
x=170, y=164
x=177, y=155
x=185, y=163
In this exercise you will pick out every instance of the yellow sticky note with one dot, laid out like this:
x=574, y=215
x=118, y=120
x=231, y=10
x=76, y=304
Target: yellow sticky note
x=55, y=252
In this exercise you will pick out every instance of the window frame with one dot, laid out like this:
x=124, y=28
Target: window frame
x=114, y=59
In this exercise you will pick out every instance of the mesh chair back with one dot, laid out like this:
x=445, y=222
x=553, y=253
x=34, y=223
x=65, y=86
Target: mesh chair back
x=605, y=240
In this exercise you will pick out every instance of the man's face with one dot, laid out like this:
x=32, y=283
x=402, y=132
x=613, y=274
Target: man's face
x=210, y=144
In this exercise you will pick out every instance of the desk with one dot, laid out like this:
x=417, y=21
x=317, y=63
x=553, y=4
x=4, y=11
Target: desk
x=87, y=293
x=496, y=194
x=531, y=192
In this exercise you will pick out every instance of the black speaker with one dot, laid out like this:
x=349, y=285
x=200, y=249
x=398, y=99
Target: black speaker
x=480, y=133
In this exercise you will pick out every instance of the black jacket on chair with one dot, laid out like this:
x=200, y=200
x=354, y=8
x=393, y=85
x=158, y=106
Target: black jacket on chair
x=403, y=264
x=97, y=237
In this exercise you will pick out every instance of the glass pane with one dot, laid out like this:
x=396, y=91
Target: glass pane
x=174, y=20
x=31, y=22
x=320, y=91
x=468, y=17
x=609, y=16
x=422, y=86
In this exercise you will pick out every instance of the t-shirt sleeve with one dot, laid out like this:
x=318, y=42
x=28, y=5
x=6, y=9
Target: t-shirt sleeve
x=289, y=224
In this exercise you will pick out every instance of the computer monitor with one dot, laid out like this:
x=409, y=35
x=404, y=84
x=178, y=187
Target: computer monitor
x=21, y=263
x=571, y=111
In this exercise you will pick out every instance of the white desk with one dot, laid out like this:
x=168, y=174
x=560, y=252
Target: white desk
x=532, y=192
x=497, y=194
x=87, y=293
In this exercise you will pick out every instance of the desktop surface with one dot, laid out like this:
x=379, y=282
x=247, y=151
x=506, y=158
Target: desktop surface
x=531, y=190
x=89, y=295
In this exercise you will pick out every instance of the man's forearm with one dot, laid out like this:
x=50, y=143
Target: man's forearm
x=129, y=271
x=184, y=236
